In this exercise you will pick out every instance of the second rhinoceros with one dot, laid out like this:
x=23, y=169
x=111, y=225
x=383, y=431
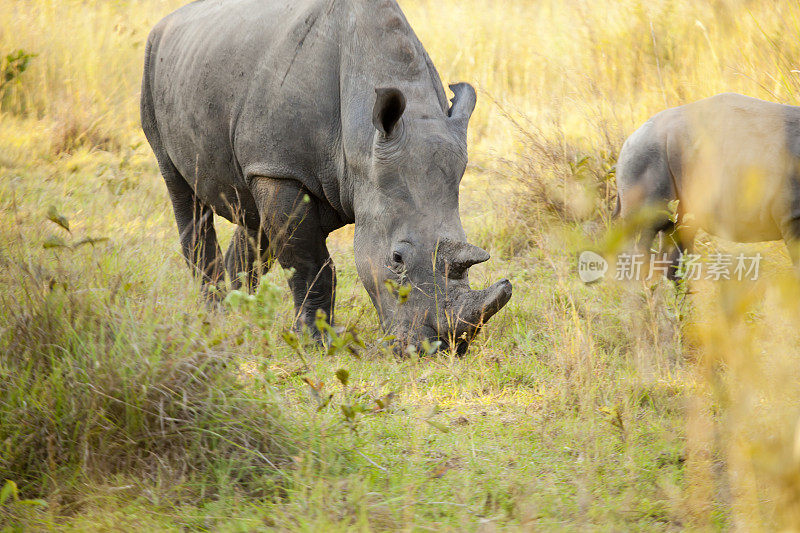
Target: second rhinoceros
x=293, y=118
x=733, y=164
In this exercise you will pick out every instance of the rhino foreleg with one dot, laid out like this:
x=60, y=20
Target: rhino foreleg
x=291, y=221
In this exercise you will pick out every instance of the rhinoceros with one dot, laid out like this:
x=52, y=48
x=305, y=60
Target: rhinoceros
x=731, y=161
x=292, y=118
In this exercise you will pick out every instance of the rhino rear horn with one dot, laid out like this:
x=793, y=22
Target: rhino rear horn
x=465, y=257
x=456, y=257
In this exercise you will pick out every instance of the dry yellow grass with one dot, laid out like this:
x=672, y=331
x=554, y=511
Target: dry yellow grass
x=593, y=70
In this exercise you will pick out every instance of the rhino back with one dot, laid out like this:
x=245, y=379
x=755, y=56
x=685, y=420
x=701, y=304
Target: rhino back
x=737, y=158
x=238, y=87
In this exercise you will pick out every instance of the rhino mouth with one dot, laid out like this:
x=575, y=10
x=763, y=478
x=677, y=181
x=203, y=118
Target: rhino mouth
x=469, y=313
x=478, y=308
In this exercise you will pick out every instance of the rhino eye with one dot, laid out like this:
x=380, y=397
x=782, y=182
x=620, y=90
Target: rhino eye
x=397, y=257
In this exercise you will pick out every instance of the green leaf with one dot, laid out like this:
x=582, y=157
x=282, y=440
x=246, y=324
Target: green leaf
x=323, y=402
x=343, y=376
x=358, y=341
x=8, y=490
x=321, y=322
x=439, y=426
x=673, y=206
x=384, y=402
x=348, y=412
x=431, y=347
x=54, y=242
x=614, y=416
x=290, y=337
x=40, y=503
x=57, y=218
x=402, y=293
x=89, y=240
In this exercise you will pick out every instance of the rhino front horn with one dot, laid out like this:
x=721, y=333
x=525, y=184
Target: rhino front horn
x=491, y=300
x=480, y=306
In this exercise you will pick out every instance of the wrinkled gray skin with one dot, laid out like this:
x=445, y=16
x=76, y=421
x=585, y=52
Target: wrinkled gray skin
x=732, y=161
x=293, y=118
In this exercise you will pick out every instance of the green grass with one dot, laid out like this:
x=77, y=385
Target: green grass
x=547, y=421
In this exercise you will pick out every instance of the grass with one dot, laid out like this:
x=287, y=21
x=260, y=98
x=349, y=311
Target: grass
x=125, y=404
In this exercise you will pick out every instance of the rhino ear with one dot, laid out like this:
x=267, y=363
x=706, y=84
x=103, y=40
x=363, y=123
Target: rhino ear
x=389, y=106
x=464, y=99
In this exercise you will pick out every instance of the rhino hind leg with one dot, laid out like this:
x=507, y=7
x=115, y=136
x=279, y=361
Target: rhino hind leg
x=646, y=188
x=196, y=228
x=247, y=258
x=296, y=239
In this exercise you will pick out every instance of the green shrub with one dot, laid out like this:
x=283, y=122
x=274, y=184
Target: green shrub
x=93, y=385
x=11, y=68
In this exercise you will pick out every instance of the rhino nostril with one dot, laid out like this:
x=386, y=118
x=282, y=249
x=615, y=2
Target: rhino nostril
x=397, y=257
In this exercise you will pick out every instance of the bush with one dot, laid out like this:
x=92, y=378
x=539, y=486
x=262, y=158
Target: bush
x=90, y=386
x=11, y=68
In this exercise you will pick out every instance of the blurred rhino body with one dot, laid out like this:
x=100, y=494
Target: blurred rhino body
x=293, y=118
x=732, y=161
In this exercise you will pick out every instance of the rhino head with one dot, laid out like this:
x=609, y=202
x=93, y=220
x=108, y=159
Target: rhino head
x=408, y=232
